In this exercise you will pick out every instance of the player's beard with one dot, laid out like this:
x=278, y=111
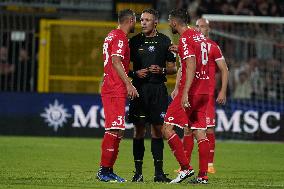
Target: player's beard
x=132, y=30
x=174, y=31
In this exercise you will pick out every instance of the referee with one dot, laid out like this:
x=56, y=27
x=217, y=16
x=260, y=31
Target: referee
x=152, y=61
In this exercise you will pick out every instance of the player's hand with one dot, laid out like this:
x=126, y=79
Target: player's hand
x=174, y=93
x=184, y=101
x=142, y=73
x=131, y=91
x=156, y=69
x=221, y=99
x=174, y=48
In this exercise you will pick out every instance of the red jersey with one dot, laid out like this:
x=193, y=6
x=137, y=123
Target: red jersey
x=215, y=54
x=193, y=43
x=115, y=44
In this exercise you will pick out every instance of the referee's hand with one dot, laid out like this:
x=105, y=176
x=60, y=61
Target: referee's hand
x=142, y=73
x=156, y=69
x=173, y=48
x=131, y=91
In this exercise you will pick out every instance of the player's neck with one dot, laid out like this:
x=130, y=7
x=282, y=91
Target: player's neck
x=124, y=29
x=182, y=29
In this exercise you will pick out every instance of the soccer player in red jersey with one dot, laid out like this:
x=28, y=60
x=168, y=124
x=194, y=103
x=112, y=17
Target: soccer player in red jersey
x=115, y=88
x=215, y=58
x=192, y=96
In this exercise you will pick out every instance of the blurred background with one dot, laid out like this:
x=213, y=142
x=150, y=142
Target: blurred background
x=51, y=64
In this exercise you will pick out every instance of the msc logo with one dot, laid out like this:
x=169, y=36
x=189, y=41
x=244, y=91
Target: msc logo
x=55, y=115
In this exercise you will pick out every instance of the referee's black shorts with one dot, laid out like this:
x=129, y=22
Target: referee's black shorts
x=151, y=105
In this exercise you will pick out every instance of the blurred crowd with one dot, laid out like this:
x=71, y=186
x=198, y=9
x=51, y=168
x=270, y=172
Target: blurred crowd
x=256, y=79
x=197, y=8
x=16, y=71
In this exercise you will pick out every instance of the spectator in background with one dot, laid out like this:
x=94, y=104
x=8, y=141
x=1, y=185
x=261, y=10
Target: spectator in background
x=244, y=7
x=243, y=88
x=6, y=70
x=228, y=9
x=270, y=89
x=23, y=80
x=272, y=79
x=255, y=78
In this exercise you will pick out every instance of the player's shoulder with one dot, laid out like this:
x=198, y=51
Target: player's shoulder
x=191, y=33
x=212, y=42
x=119, y=34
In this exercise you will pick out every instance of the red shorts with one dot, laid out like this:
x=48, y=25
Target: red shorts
x=195, y=116
x=197, y=111
x=114, y=109
x=176, y=115
x=210, y=112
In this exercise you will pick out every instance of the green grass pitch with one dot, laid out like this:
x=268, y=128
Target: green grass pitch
x=43, y=162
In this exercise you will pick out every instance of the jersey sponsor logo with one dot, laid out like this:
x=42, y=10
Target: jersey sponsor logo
x=198, y=37
x=55, y=115
x=184, y=46
x=151, y=48
x=109, y=38
x=201, y=75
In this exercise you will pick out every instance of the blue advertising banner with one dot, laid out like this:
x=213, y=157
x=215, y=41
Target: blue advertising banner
x=82, y=115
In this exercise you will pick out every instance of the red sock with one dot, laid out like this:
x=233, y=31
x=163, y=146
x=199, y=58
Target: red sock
x=188, y=144
x=211, y=138
x=108, y=149
x=177, y=148
x=203, y=149
x=116, y=150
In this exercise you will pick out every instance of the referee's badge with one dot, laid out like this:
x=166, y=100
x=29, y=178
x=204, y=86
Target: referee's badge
x=162, y=115
x=151, y=48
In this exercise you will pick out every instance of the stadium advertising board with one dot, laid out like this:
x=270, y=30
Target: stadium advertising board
x=83, y=115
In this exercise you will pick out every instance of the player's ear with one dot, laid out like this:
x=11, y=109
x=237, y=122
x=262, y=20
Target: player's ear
x=156, y=22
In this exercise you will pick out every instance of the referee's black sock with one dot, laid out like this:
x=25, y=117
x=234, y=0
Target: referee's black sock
x=138, y=154
x=157, y=146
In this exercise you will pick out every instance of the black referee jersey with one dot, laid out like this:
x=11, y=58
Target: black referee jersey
x=147, y=51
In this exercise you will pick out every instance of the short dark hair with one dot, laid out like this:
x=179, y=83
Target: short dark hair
x=151, y=11
x=124, y=14
x=181, y=15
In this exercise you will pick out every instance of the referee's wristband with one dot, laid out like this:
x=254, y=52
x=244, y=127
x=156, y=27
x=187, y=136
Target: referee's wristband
x=131, y=74
x=164, y=71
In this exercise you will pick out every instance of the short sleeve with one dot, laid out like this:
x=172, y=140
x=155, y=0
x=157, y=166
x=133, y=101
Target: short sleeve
x=217, y=53
x=119, y=47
